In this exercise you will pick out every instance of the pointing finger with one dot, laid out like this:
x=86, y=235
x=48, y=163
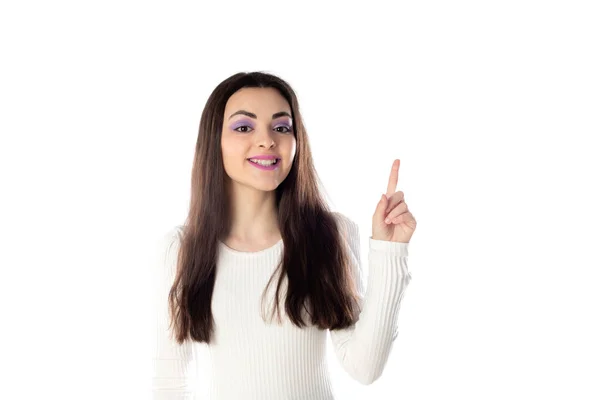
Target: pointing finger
x=393, y=181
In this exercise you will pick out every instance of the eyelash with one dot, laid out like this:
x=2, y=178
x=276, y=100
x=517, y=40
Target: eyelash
x=289, y=130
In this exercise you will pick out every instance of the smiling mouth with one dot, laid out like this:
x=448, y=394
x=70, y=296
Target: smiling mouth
x=277, y=160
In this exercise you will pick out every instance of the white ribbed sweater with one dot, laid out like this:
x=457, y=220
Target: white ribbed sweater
x=252, y=359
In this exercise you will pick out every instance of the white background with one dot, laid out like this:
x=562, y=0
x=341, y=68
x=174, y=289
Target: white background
x=492, y=108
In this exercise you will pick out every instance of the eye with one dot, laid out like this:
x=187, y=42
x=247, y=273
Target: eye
x=242, y=126
x=287, y=128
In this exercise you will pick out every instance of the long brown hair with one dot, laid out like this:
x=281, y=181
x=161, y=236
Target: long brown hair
x=316, y=257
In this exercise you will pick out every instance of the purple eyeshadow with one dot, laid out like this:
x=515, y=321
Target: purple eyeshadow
x=237, y=124
x=242, y=123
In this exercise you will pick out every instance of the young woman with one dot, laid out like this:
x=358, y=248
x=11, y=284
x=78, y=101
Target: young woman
x=259, y=241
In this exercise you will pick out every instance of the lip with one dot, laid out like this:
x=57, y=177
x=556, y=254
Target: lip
x=265, y=157
x=265, y=168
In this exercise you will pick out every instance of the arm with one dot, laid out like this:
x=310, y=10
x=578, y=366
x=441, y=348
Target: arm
x=363, y=349
x=173, y=364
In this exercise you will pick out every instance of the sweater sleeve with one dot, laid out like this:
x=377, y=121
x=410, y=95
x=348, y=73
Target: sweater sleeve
x=173, y=364
x=363, y=348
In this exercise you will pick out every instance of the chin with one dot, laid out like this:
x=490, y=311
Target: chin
x=265, y=188
x=253, y=184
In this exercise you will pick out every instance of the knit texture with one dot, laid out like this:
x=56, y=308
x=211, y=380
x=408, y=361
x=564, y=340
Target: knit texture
x=253, y=359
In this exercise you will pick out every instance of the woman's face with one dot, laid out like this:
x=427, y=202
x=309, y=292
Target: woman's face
x=253, y=131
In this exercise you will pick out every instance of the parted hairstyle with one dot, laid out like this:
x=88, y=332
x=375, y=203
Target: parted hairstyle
x=316, y=262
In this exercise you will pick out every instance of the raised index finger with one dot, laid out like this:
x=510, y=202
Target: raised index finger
x=393, y=182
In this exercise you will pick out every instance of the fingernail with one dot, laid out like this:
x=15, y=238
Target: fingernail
x=387, y=220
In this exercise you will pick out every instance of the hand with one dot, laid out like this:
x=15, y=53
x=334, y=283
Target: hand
x=392, y=206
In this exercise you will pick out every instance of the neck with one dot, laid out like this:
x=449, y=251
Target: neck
x=253, y=214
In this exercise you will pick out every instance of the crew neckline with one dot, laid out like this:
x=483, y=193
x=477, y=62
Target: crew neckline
x=238, y=252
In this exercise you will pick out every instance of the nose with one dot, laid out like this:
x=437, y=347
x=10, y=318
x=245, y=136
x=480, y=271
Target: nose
x=264, y=138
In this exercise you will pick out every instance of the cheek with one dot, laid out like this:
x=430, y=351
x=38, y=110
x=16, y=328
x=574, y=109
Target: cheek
x=290, y=150
x=227, y=146
x=226, y=152
x=232, y=152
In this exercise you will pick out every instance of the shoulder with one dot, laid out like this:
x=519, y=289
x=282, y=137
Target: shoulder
x=350, y=233
x=345, y=222
x=166, y=250
x=348, y=227
x=171, y=236
x=168, y=242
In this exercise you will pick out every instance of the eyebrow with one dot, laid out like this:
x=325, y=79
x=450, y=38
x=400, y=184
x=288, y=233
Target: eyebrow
x=252, y=115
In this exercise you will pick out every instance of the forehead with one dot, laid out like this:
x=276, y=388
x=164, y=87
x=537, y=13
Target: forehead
x=261, y=101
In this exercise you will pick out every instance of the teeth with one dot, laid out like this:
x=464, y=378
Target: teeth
x=264, y=162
